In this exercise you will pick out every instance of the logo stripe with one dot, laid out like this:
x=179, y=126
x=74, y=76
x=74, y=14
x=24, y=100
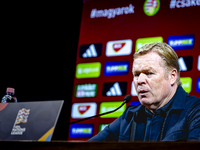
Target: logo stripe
x=182, y=65
x=90, y=50
x=114, y=88
x=117, y=88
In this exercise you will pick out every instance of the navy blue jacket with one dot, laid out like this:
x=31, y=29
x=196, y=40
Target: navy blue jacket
x=180, y=122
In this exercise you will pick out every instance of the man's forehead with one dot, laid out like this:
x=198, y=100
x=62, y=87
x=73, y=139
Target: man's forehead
x=145, y=68
x=149, y=56
x=147, y=62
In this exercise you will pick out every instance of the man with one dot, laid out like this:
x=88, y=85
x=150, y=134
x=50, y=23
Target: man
x=167, y=112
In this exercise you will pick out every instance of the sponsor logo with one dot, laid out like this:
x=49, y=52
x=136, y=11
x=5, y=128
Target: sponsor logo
x=111, y=12
x=186, y=84
x=183, y=3
x=21, y=118
x=114, y=88
x=88, y=70
x=198, y=65
x=81, y=130
x=116, y=68
x=198, y=85
x=143, y=41
x=151, y=7
x=135, y=103
x=133, y=91
x=102, y=126
x=109, y=106
x=119, y=48
x=82, y=110
x=185, y=63
x=85, y=90
x=90, y=50
x=181, y=42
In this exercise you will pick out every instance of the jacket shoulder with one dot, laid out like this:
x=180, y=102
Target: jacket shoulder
x=134, y=108
x=131, y=109
x=192, y=101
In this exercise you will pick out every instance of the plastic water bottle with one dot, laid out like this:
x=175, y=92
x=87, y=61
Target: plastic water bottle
x=10, y=96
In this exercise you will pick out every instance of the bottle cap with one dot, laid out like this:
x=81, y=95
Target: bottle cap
x=10, y=90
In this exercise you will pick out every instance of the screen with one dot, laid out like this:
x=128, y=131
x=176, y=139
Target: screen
x=111, y=32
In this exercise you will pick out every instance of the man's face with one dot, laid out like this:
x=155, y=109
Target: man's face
x=151, y=81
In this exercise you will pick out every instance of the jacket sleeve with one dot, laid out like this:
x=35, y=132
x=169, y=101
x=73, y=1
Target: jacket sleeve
x=194, y=122
x=110, y=133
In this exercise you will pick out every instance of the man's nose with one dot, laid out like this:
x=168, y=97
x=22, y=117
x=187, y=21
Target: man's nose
x=142, y=79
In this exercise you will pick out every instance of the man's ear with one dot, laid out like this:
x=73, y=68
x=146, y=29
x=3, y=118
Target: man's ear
x=173, y=76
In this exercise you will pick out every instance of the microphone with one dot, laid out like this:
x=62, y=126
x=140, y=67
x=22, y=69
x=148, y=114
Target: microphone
x=126, y=100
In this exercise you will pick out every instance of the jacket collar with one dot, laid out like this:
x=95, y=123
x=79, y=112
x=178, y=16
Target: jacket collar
x=179, y=99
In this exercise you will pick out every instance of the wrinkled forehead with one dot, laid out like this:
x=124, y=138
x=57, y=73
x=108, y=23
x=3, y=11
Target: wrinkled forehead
x=146, y=62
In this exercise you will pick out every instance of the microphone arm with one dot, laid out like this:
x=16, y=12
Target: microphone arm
x=126, y=100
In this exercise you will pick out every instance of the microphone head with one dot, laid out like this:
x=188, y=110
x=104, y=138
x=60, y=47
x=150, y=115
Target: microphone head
x=127, y=98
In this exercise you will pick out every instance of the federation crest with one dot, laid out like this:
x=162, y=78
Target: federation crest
x=151, y=7
x=22, y=117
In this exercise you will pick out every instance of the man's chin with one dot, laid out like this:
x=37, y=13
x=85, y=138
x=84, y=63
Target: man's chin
x=149, y=104
x=146, y=102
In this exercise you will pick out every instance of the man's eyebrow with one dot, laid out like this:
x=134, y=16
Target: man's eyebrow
x=143, y=70
x=133, y=70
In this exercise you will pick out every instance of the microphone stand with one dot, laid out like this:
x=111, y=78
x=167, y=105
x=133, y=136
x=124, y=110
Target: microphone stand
x=126, y=99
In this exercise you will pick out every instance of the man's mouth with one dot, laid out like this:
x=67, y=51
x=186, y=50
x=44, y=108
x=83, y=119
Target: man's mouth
x=142, y=92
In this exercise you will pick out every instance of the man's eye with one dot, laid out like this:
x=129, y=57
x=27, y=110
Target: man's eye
x=136, y=75
x=149, y=73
